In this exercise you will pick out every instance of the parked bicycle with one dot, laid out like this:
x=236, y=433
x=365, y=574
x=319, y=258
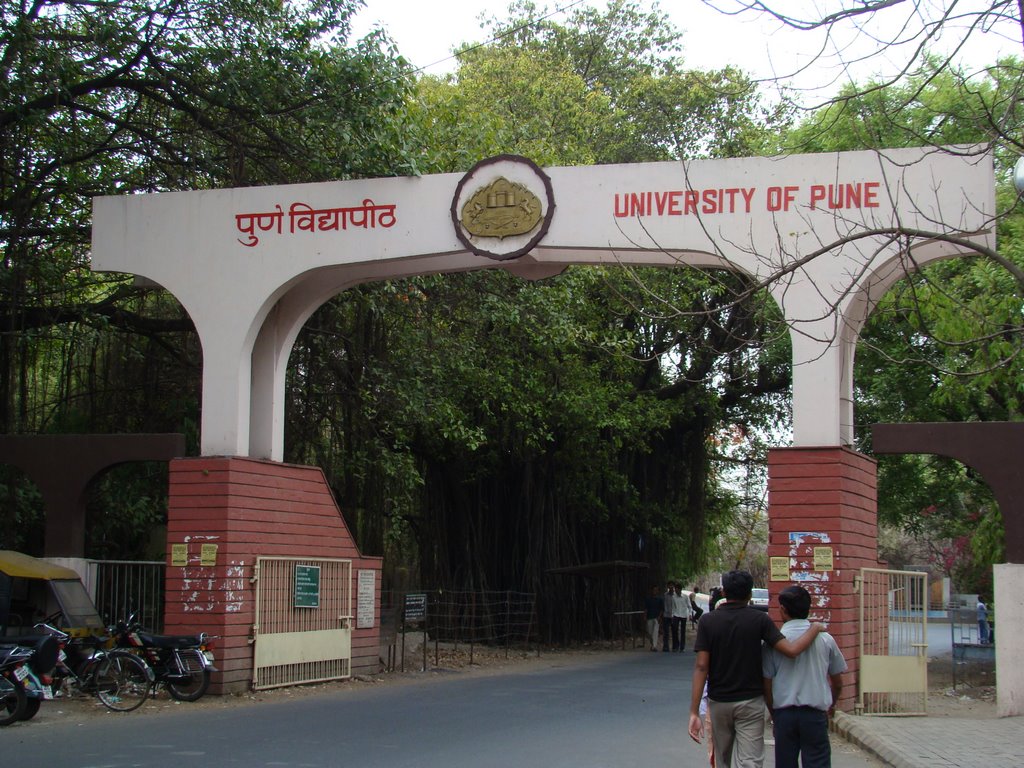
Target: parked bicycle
x=119, y=679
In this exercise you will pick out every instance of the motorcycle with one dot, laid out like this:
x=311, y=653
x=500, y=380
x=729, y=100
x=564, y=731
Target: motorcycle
x=13, y=669
x=181, y=663
x=25, y=663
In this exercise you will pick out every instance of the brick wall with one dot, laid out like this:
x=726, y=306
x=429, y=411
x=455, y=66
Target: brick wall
x=250, y=508
x=825, y=498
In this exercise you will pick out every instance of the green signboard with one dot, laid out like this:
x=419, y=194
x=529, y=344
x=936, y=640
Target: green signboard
x=307, y=586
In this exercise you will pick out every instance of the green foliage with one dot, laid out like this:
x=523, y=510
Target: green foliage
x=604, y=87
x=529, y=425
x=21, y=512
x=126, y=512
x=938, y=105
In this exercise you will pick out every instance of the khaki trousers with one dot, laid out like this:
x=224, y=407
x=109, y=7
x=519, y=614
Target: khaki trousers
x=737, y=729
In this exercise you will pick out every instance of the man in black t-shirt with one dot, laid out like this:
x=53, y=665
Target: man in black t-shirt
x=728, y=647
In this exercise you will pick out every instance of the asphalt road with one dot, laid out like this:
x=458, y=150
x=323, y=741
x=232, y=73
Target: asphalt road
x=617, y=710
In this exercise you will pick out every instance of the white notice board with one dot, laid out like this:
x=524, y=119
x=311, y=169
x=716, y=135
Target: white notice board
x=366, y=601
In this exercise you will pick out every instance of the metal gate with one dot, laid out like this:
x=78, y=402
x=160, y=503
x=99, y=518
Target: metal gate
x=121, y=587
x=303, y=629
x=893, y=642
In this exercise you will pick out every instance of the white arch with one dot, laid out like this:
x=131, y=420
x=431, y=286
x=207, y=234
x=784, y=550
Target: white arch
x=251, y=265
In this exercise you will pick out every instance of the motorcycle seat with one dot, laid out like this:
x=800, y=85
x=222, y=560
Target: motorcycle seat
x=169, y=641
x=45, y=650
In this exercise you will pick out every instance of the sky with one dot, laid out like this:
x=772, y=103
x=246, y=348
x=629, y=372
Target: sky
x=426, y=36
x=426, y=33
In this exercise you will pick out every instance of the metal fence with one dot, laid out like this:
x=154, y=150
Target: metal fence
x=121, y=587
x=973, y=662
x=497, y=619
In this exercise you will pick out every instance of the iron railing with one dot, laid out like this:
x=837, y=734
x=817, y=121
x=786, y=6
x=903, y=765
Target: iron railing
x=122, y=587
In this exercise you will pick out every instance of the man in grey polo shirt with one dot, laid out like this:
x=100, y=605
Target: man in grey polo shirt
x=802, y=692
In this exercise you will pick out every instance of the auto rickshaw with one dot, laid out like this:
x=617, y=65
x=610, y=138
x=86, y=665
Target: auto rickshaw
x=34, y=590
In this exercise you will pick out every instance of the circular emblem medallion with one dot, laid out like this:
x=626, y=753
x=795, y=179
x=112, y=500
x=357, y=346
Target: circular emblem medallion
x=503, y=207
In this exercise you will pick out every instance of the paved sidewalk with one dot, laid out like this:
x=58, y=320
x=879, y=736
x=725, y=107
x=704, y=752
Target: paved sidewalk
x=937, y=742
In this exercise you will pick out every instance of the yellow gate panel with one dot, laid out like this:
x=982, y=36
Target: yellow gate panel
x=302, y=647
x=893, y=674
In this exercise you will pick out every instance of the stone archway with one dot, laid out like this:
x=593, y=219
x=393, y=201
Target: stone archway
x=251, y=265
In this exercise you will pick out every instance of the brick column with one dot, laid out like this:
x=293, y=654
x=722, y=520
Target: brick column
x=247, y=508
x=825, y=498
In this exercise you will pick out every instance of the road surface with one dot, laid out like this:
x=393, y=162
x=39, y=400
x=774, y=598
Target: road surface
x=613, y=710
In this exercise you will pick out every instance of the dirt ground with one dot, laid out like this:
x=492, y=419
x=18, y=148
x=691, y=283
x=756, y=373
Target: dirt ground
x=974, y=695
x=976, y=700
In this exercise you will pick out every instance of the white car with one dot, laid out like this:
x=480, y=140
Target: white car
x=759, y=598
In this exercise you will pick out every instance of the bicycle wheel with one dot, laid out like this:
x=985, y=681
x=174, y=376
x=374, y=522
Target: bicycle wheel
x=12, y=701
x=121, y=681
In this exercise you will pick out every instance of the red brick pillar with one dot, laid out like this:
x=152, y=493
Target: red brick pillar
x=823, y=501
x=245, y=508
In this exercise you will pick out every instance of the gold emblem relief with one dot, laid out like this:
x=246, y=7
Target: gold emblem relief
x=501, y=209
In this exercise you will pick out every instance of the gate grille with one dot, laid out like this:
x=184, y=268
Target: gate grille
x=122, y=587
x=295, y=645
x=893, y=642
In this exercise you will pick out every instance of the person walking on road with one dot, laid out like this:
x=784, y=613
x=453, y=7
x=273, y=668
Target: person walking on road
x=654, y=606
x=669, y=637
x=695, y=610
x=982, y=622
x=680, y=615
x=802, y=692
x=728, y=647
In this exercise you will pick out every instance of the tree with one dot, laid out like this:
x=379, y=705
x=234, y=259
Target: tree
x=129, y=97
x=508, y=428
x=603, y=87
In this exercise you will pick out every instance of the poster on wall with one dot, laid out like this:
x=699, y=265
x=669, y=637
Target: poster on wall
x=779, y=568
x=179, y=554
x=823, y=560
x=208, y=554
x=366, y=599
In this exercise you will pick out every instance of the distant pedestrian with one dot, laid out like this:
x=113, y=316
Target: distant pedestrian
x=654, y=606
x=695, y=610
x=728, y=647
x=802, y=692
x=680, y=615
x=982, y=622
x=669, y=629
x=714, y=596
